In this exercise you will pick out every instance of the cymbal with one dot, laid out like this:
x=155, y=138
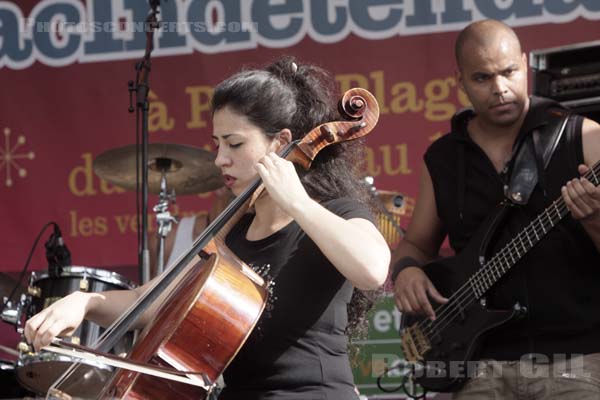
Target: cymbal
x=188, y=169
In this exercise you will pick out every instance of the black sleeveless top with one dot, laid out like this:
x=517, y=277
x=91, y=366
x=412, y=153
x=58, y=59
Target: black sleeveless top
x=298, y=350
x=558, y=279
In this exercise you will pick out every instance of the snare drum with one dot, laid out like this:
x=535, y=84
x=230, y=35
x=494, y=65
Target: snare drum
x=38, y=371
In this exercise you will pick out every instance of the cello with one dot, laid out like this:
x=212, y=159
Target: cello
x=209, y=299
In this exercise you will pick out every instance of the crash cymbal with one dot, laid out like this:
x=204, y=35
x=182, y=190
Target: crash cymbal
x=188, y=169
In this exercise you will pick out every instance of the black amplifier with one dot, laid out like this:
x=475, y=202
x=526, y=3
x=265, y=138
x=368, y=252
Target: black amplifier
x=568, y=73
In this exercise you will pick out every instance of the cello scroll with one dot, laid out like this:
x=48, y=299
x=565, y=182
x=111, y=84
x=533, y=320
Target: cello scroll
x=360, y=110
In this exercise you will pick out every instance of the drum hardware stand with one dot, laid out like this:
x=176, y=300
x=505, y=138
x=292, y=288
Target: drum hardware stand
x=141, y=89
x=164, y=219
x=369, y=181
x=13, y=314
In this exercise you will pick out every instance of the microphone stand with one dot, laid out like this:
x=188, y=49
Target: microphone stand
x=57, y=253
x=141, y=89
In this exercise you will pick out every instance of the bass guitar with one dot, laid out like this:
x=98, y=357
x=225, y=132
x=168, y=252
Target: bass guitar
x=440, y=351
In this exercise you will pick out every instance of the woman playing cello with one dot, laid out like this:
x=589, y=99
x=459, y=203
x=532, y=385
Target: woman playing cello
x=310, y=231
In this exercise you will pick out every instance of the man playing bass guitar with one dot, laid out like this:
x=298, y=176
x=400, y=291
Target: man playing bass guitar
x=508, y=140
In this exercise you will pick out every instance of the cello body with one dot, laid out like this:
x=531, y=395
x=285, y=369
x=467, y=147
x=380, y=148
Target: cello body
x=199, y=327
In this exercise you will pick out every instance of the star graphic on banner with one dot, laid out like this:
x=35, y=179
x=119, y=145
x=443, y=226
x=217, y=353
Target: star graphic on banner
x=9, y=155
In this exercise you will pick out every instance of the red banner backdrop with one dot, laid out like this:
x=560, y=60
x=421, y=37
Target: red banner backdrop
x=64, y=97
x=56, y=120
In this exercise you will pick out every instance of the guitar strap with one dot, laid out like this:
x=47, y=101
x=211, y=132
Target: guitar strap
x=533, y=156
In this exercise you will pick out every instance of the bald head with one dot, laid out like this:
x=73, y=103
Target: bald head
x=482, y=34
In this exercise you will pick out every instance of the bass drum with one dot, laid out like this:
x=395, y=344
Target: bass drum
x=38, y=371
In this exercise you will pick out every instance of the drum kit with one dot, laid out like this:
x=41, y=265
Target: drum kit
x=172, y=169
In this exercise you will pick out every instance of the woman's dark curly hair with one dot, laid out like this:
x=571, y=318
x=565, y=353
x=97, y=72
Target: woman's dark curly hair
x=299, y=97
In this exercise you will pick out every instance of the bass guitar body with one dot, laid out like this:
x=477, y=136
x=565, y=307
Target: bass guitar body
x=443, y=351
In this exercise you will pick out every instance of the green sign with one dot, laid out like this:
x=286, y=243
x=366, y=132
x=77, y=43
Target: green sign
x=379, y=351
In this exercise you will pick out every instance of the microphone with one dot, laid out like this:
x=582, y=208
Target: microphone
x=57, y=253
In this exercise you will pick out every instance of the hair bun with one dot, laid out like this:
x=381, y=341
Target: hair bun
x=285, y=69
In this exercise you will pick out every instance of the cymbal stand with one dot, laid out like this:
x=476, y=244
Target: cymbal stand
x=164, y=219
